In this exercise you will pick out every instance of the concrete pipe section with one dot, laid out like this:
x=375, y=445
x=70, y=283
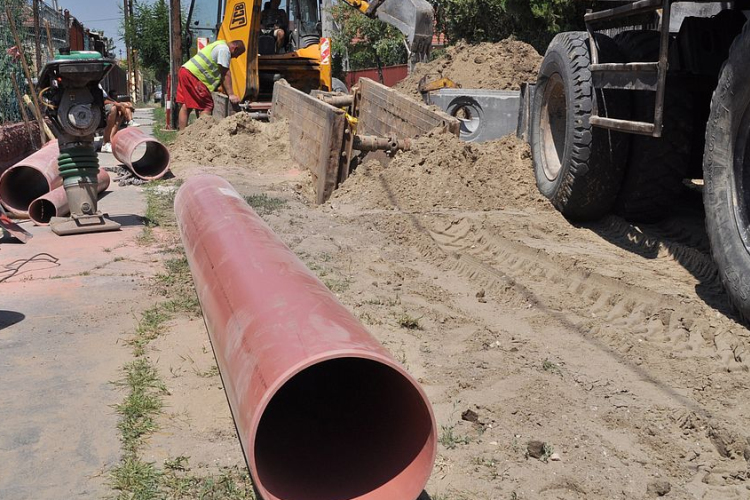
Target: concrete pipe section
x=29, y=179
x=323, y=410
x=146, y=157
x=55, y=203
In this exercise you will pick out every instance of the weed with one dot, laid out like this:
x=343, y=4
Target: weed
x=141, y=405
x=135, y=479
x=211, y=372
x=118, y=259
x=547, y=451
x=449, y=439
x=408, y=322
x=337, y=285
x=549, y=366
x=264, y=204
x=166, y=137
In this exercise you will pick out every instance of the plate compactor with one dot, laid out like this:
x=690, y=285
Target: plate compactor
x=74, y=103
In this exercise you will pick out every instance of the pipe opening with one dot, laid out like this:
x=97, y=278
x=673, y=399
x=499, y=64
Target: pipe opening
x=343, y=429
x=41, y=211
x=21, y=185
x=150, y=159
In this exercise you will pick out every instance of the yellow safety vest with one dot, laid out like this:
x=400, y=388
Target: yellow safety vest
x=204, y=68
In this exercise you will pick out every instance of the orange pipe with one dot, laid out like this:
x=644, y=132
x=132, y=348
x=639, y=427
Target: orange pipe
x=146, y=157
x=55, y=203
x=322, y=409
x=29, y=179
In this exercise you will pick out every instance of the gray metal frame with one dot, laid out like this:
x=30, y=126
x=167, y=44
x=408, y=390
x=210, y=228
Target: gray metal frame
x=650, y=76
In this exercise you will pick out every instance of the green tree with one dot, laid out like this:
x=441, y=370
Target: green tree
x=148, y=33
x=366, y=42
x=532, y=21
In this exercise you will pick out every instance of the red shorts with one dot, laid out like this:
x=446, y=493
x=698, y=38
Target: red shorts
x=192, y=93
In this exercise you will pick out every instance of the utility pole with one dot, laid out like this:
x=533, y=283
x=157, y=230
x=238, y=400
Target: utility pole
x=37, y=36
x=128, y=50
x=175, y=53
x=134, y=58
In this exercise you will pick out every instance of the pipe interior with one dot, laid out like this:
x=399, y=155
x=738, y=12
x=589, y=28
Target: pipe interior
x=41, y=211
x=150, y=159
x=22, y=185
x=342, y=429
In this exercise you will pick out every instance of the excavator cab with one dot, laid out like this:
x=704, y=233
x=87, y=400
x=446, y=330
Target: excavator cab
x=304, y=61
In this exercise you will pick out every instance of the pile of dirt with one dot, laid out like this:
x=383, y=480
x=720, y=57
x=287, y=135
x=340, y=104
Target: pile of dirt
x=503, y=65
x=237, y=140
x=440, y=172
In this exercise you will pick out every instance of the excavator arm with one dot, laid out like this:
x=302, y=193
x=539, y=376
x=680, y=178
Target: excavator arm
x=414, y=18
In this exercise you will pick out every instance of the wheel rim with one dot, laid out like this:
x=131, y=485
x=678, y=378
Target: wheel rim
x=554, y=126
x=741, y=196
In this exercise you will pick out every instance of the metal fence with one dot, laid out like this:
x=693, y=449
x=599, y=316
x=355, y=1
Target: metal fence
x=51, y=21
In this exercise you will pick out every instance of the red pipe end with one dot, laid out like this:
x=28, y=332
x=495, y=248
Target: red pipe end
x=20, y=185
x=342, y=429
x=41, y=211
x=146, y=157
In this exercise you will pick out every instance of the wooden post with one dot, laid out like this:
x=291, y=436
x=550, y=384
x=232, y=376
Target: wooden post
x=27, y=72
x=175, y=50
x=22, y=107
x=49, y=40
x=128, y=49
x=136, y=83
x=37, y=37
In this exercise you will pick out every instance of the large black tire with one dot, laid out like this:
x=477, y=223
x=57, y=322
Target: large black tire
x=339, y=86
x=577, y=166
x=726, y=173
x=653, y=182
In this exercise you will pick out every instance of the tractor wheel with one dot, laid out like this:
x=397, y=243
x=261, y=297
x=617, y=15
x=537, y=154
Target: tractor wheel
x=339, y=86
x=726, y=173
x=577, y=166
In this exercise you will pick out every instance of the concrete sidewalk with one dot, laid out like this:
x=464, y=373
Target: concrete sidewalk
x=62, y=326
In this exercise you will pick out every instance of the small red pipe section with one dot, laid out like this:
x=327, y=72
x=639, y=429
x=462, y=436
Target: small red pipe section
x=323, y=410
x=55, y=203
x=29, y=179
x=146, y=157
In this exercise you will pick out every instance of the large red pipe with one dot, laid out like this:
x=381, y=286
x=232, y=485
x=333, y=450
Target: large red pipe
x=29, y=179
x=322, y=409
x=55, y=203
x=146, y=157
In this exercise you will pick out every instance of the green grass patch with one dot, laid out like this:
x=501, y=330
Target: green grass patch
x=142, y=404
x=264, y=204
x=450, y=439
x=166, y=137
x=134, y=479
x=408, y=322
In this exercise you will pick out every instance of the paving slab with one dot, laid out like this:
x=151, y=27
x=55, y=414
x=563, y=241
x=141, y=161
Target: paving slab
x=63, y=319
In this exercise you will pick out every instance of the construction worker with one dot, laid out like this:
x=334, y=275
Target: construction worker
x=274, y=22
x=202, y=74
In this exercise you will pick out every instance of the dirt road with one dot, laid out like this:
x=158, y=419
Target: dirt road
x=610, y=344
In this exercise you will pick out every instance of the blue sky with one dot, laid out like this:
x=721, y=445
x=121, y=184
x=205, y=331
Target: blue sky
x=103, y=15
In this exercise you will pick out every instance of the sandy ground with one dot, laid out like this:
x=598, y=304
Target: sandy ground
x=61, y=330
x=610, y=343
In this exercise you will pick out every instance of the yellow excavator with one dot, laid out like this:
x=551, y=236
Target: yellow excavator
x=304, y=59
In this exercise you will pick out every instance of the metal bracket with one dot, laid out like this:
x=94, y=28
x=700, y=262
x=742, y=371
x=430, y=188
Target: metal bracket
x=648, y=76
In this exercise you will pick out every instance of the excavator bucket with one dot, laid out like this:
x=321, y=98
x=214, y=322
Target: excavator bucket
x=414, y=18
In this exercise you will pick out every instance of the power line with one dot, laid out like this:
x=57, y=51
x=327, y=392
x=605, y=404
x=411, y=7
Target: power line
x=97, y=20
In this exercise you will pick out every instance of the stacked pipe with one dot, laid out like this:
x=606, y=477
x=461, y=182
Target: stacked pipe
x=322, y=409
x=29, y=179
x=143, y=155
x=55, y=203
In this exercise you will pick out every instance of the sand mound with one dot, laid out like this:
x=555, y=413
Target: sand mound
x=497, y=66
x=442, y=172
x=234, y=141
